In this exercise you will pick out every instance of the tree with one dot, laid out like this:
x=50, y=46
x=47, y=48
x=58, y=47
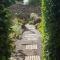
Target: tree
x=19, y=0
x=7, y=3
x=51, y=29
x=34, y=2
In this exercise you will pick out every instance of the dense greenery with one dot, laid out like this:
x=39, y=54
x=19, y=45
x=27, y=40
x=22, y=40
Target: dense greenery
x=34, y=2
x=7, y=3
x=16, y=27
x=51, y=29
x=19, y=0
x=5, y=30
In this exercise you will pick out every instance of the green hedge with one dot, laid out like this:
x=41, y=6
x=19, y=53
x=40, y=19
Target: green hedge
x=5, y=30
x=50, y=29
x=16, y=27
x=5, y=41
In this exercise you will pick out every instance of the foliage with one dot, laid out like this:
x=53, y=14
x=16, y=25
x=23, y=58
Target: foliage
x=34, y=2
x=16, y=28
x=19, y=0
x=7, y=3
x=5, y=30
x=5, y=41
x=50, y=29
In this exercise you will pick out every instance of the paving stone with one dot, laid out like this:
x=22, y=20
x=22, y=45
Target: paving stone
x=32, y=57
x=31, y=46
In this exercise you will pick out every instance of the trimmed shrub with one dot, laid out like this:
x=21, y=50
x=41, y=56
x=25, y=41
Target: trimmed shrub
x=5, y=30
x=50, y=29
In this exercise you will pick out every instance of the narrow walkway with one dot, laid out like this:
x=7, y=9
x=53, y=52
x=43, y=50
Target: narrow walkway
x=29, y=47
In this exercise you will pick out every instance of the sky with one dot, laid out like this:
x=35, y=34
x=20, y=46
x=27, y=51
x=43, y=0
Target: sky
x=25, y=1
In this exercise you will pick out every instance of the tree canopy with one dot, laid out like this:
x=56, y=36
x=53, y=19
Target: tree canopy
x=34, y=2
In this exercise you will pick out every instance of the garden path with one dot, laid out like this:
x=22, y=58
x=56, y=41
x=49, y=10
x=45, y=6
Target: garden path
x=29, y=46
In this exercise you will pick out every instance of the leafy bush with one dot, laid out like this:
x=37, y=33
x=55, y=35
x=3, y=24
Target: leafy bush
x=16, y=28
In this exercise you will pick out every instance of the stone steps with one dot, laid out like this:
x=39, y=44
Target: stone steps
x=25, y=53
x=28, y=48
x=31, y=46
x=32, y=57
x=25, y=42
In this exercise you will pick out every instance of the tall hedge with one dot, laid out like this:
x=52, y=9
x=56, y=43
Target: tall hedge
x=50, y=29
x=5, y=30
